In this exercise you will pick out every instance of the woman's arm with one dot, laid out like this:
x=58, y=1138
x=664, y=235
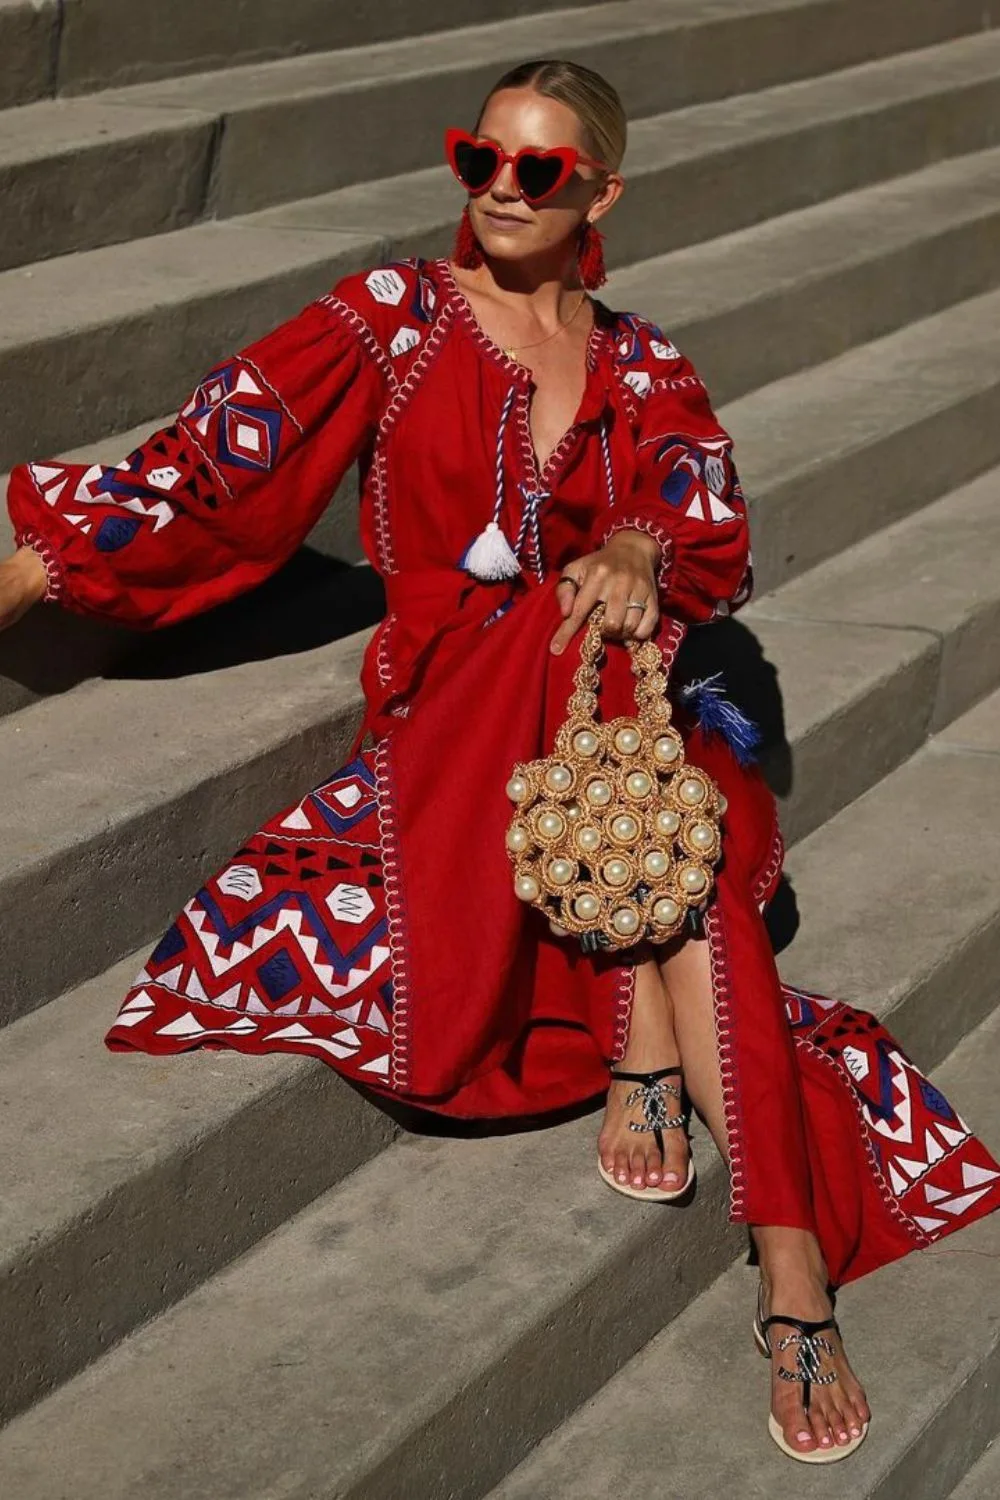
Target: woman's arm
x=687, y=497
x=214, y=503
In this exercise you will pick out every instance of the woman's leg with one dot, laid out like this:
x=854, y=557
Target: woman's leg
x=633, y=1156
x=793, y=1274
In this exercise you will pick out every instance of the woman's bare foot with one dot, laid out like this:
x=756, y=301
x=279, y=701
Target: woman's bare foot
x=633, y=1156
x=794, y=1281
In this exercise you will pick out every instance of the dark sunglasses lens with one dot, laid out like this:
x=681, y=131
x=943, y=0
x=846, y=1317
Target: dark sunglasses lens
x=538, y=175
x=476, y=165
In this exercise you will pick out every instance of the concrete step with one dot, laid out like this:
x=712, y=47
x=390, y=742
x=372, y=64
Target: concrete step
x=109, y=42
x=416, y=1331
x=982, y=1482
x=918, y=1337
x=76, y=46
x=833, y=454
x=237, y=141
x=857, y=700
x=799, y=289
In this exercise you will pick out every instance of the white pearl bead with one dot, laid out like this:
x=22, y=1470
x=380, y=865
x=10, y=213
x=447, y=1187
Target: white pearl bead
x=628, y=740
x=561, y=871
x=666, y=912
x=702, y=836
x=585, y=742
x=639, y=784
x=517, y=789
x=624, y=828
x=526, y=888
x=723, y=805
x=586, y=907
x=656, y=863
x=518, y=839
x=616, y=871
x=557, y=930
x=667, y=822
x=693, y=880
x=588, y=838
x=574, y=811
x=625, y=921
x=666, y=749
x=551, y=824
x=558, y=778
x=692, y=791
x=599, y=793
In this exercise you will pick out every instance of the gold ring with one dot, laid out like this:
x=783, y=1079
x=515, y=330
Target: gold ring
x=636, y=604
x=567, y=578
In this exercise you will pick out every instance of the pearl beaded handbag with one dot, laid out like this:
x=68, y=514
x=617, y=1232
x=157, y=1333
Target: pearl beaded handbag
x=612, y=838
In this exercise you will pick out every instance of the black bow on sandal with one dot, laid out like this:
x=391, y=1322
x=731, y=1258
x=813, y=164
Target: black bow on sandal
x=651, y=1092
x=808, y=1369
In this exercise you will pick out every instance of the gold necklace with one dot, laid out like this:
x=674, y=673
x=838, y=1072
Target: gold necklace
x=511, y=349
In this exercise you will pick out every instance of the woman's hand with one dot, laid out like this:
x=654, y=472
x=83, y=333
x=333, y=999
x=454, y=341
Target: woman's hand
x=23, y=582
x=623, y=575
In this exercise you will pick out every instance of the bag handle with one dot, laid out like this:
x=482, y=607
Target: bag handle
x=650, y=680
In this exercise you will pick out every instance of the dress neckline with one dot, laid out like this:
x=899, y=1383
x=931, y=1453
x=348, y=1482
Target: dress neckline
x=603, y=319
x=592, y=402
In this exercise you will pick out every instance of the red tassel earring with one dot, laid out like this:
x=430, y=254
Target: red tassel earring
x=467, y=252
x=590, y=257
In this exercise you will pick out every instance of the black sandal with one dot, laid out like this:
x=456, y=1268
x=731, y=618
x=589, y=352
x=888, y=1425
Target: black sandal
x=651, y=1091
x=812, y=1347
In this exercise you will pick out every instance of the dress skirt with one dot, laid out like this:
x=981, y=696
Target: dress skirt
x=373, y=925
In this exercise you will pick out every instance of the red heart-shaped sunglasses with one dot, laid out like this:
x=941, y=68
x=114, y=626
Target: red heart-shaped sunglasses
x=538, y=174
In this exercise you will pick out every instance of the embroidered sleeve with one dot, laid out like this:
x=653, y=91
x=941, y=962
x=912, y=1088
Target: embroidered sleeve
x=686, y=492
x=214, y=503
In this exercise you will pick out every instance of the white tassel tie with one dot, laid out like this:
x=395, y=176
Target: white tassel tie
x=490, y=558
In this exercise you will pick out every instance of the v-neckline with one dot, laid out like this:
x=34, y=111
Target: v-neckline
x=539, y=474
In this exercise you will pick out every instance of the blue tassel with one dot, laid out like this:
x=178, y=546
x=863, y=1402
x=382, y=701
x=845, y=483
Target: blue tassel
x=716, y=715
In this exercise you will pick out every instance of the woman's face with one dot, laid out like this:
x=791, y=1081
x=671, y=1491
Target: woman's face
x=506, y=226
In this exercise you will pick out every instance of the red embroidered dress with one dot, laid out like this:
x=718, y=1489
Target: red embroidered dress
x=374, y=924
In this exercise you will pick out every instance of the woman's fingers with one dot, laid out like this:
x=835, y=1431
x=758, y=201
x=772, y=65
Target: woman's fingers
x=567, y=589
x=621, y=594
x=590, y=593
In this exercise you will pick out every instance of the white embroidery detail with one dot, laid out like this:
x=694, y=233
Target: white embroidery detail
x=386, y=285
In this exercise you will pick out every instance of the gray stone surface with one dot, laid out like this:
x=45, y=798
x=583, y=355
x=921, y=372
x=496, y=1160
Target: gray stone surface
x=97, y=343
x=935, y=571
x=98, y=172
x=106, y=42
x=983, y=1480
x=838, y=452
x=419, y=1327
x=145, y=1174
x=27, y=46
x=923, y=1335
x=780, y=296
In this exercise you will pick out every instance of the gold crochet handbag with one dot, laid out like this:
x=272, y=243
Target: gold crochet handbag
x=612, y=837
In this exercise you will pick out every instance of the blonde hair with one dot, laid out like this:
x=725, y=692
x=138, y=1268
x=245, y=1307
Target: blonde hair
x=592, y=99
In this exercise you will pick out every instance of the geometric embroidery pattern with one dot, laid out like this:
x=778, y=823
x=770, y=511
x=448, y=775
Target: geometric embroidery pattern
x=285, y=948
x=930, y=1167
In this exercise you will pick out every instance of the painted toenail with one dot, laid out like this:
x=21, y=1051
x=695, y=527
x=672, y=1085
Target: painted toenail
x=803, y=1437
x=825, y=1441
x=671, y=1177
x=842, y=1436
x=856, y=1431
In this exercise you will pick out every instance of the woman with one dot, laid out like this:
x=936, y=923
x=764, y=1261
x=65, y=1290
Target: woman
x=525, y=454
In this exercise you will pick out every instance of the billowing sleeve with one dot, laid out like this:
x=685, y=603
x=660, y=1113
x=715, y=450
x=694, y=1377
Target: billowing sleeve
x=215, y=502
x=686, y=493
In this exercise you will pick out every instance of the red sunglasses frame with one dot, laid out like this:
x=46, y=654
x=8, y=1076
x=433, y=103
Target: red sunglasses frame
x=568, y=156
